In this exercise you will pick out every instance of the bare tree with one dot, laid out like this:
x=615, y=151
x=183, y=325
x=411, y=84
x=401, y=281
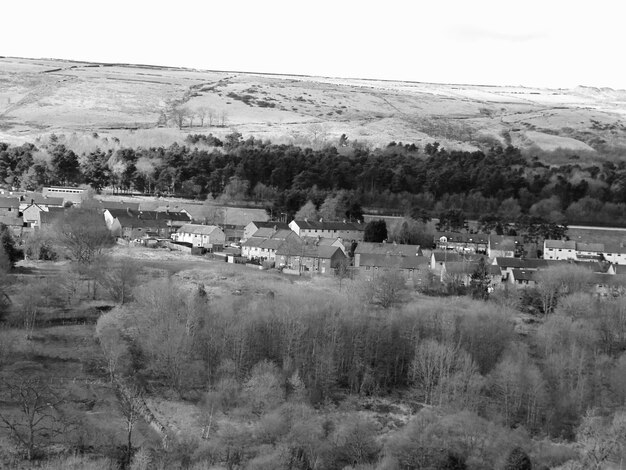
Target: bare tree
x=84, y=233
x=131, y=404
x=29, y=410
x=223, y=118
x=119, y=278
x=179, y=114
x=166, y=324
x=113, y=345
x=386, y=287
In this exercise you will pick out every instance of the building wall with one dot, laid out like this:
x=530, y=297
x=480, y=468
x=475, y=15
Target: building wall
x=559, y=253
x=616, y=258
x=32, y=215
x=206, y=241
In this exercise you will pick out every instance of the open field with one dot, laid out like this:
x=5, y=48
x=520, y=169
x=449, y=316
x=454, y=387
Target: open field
x=125, y=102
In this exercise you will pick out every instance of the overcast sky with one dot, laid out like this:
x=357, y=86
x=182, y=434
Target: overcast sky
x=549, y=43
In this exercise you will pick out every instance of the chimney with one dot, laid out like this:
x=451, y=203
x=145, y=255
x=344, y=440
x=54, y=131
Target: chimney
x=306, y=219
x=344, y=221
x=275, y=229
x=321, y=220
x=32, y=201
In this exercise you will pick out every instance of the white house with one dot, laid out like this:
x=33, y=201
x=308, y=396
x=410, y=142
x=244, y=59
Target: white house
x=345, y=230
x=32, y=215
x=263, y=245
x=206, y=236
x=559, y=249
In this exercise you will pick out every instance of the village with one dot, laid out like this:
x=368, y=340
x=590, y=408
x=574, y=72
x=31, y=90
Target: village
x=326, y=248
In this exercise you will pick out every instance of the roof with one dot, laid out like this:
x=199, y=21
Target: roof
x=11, y=221
x=390, y=261
x=319, y=240
x=392, y=249
x=271, y=224
x=614, y=248
x=9, y=202
x=593, y=247
x=133, y=222
x=239, y=216
x=53, y=214
x=196, y=229
x=502, y=242
x=263, y=232
x=523, y=275
x=253, y=242
x=322, y=225
x=457, y=237
x=462, y=267
x=451, y=256
x=121, y=205
x=521, y=263
x=308, y=251
x=40, y=199
x=560, y=244
x=129, y=213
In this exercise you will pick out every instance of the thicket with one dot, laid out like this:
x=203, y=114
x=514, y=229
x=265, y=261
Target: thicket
x=397, y=178
x=457, y=360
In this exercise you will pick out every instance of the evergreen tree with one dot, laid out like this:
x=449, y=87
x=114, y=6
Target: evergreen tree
x=375, y=231
x=480, y=281
x=518, y=460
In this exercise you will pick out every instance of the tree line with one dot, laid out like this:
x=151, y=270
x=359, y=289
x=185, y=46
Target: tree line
x=395, y=179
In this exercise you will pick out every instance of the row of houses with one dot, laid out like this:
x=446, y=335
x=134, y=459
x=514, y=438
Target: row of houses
x=572, y=250
x=480, y=243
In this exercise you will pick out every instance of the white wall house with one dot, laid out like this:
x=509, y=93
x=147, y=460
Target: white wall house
x=206, y=236
x=345, y=230
x=559, y=249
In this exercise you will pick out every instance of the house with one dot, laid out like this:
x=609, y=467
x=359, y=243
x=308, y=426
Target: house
x=608, y=285
x=407, y=259
x=252, y=227
x=504, y=246
x=210, y=237
x=345, y=230
x=462, y=271
x=580, y=251
x=32, y=215
x=73, y=195
x=29, y=198
x=130, y=224
x=615, y=253
x=9, y=206
x=303, y=257
x=338, y=242
x=10, y=215
x=523, y=278
x=559, y=249
x=507, y=265
x=263, y=245
x=105, y=204
x=48, y=218
x=589, y=251
x=439, y=258
x=462, y=242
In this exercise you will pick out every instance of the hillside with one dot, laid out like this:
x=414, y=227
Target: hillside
x=133, y=104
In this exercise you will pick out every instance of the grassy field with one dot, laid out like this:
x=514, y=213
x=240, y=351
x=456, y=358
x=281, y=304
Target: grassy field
x=39, y=97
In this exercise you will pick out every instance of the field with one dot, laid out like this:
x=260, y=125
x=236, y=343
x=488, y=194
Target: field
x=127, y=103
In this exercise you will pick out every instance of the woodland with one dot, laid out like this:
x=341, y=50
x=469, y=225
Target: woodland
x=114, y=362
x=398, y=179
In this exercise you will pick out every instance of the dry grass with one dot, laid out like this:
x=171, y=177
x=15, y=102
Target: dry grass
x=112, y=100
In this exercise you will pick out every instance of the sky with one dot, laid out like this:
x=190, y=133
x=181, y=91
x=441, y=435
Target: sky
x=548, y=43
